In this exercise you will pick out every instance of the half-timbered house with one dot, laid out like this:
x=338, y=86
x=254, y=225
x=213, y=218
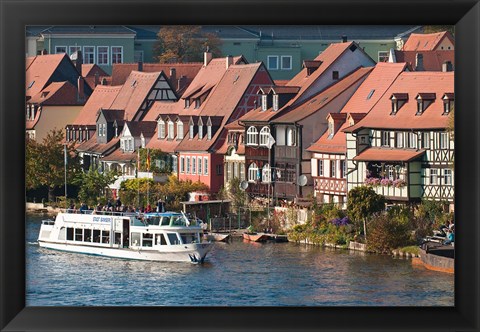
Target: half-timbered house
x=403, y=147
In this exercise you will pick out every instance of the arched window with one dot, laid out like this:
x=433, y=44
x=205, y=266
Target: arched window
x=264, y=135
x=171, y=130
x=291, y=136
x=252, y=136
x=252, y=172
x=266, y=173
x=179, y=129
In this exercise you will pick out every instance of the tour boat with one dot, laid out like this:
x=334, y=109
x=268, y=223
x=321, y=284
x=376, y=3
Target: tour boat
x=166, y=236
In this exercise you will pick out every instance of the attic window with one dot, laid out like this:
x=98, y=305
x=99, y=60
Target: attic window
x=370, y=94
x=197, y=103
x=423, y=101
x=398, y=99
x=330, y=129
x=161, y=128
x=187, y=103
x=353, y=47
x=200, y=129
x=31, y=84
x=264, y=103
x=44, y=94
x=209, y=129
x=448, y=99
x=335, y=75
x=275, y=102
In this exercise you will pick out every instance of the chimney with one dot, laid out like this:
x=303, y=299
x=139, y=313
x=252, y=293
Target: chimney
x=96, y=78
x=344, y=38
x=447, y=66
x=419, y=62
x=80, y=89
x=181, y=82
x=140, y=65
x=228, y=61
x=104, y=81
x=173, y=74
x=79, y=62
x=44, y=51
x=207, y=57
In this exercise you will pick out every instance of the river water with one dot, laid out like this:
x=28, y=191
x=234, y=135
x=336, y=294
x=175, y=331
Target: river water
x=234, y=274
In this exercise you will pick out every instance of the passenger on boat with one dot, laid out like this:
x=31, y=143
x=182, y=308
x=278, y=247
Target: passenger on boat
x=83, y=208
x=450, y=237
x=118, y=204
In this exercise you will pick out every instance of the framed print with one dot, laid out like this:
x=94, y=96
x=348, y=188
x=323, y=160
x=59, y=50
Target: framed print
x=18, y=312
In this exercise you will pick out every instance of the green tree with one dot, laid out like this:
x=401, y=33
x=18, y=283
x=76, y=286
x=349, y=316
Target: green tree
x=45, y=162
x=233, y=193
x=184, y=43
x=155, y=154
x=93, y=185
x=363, y=202
x=388, y=231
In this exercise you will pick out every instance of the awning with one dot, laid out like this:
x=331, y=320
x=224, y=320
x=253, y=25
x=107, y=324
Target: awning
x=386, y=154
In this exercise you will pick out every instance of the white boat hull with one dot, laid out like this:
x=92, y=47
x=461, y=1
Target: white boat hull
x=194, y=253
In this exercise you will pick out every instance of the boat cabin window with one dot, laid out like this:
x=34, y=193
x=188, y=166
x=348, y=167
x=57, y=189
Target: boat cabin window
x=165, y=221
x=160, y=240
x=153, y=220
x=87, y=235
x=147, y=240
x=69, y=234
x=118, y=238
x=96, y=235
x=177, y=221
x=172, y=237
x=105, y=236
x=136, y=239
x=188, y=238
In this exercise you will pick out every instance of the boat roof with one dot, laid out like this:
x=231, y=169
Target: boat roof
x=162, y=214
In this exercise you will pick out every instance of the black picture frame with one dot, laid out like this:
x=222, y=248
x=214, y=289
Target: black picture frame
x=15, y=15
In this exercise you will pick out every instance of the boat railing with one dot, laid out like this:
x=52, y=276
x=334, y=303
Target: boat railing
x=100, y=213
x=48, y=222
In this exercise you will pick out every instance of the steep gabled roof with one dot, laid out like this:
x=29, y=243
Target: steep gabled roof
x=411, y=83
x=323, y=98
x=134, y=92
x=426, y=42
x=137, y=128
x=101, y=98
x=39, y=71
x=58, y=93
x=89, y=71
x=334, y=145
x=101, y=148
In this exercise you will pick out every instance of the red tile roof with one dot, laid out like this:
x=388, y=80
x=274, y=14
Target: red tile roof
x=285, y=89
x=280, y=82
x=411, y=83
x=134, y=92
x=92, y=146
x=426, y=42
x=161, y=107
x=362, y=101
x=389, y=154
x=101, y=98
x=121, y=71
x=320, y=100
x=57, y=93
x=89, y=71
x=432, y=60
x=39, y=70
x=119, y=155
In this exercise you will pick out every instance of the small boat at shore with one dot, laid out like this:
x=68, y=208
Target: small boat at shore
x=437, y=257
x=217, y=237
x=255, y=237
x=167, y=236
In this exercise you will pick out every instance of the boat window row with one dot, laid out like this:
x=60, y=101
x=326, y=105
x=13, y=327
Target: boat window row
x=148, y=239
x=91, y=235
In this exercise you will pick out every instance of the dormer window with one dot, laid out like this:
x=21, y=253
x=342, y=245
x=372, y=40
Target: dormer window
x=275, y=102
x=423, y=101
x=187, y=103
x=264, y=103
x=209, y=129
x=142, y=139
x=252, y=136
x=171, y=130
x=330, y=129
x=116, y=129
x=335, y=75
x=200, y=128
x=398, y=99
x=179, y=130
x=191, y=132
x=197, y=103
x=161, y=129
x=448, y=100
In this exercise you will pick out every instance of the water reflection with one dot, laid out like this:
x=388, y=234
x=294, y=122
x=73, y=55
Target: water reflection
x=235, y=274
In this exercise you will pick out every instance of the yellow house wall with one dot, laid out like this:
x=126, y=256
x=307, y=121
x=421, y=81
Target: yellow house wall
x=55, y=117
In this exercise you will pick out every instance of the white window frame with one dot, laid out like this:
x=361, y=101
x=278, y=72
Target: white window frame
x=264, y=136
x=291, y=136
x=182, y=164
x=268, y=62
x=199, y=166
x=447, y=176
x=252, y=136
x=86, y=54
x=179, y=130
x=200, y=131
x=59, y=46
x=444, y=141
x=191, y=131
x=281, y=62
x=433, y=176
x=194, y=165
x=383, y=54
x=333, y=168
x=252, y=172
x=188, y=165
x=399, y=140
x=205, y=165
x=266, y=173
x=161, y=129
x=320, y=167
x=113, y=54
x=275, y=102
x=98, y=55
x=264, y=102
x=426, y=142
x=171, y=130
x=412, y=140
x=385, y=138
x=209, y=132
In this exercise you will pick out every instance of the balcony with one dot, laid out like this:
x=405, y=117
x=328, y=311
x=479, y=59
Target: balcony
x=286, y=152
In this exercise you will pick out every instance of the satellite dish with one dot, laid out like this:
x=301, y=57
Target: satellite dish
x=302, y=180
x=243, y=185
